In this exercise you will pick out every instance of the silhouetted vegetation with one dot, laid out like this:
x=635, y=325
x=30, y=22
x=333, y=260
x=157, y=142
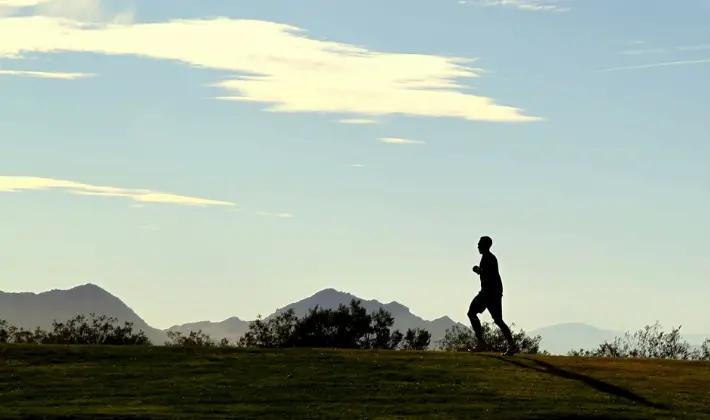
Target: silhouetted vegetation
x=416, y=339
x=649, y=342
x=194, y=339
x=458, y=338
x=347, y=327
x=94, y=330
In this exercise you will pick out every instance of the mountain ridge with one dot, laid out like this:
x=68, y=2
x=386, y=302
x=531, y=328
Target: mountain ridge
x=328, y=298
x=30, y=309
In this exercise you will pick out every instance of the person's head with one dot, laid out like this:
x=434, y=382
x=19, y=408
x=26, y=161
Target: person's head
x=485, y=244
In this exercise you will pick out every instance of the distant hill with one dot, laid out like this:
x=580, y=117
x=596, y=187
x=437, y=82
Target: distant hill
x=30, y=310
x=561, y=338
x=233, y=328
x=403, y=317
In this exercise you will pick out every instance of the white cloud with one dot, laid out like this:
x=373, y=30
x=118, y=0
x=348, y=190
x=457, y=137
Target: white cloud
x=397, y=140
x=646, y=51
x=277, y=64
x=22, y=183
x=701, y=47
x=21, y=3
x=527, y=5
x=357, y=165
x=653, y=65
x=271, y=214
x=358, y=121
x=667, y=50
x=46, y=74
x=81, y=10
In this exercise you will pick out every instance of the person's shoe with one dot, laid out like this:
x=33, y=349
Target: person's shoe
x=512, y=350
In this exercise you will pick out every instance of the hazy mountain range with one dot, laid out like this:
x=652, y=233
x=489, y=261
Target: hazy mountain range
x=30, y=310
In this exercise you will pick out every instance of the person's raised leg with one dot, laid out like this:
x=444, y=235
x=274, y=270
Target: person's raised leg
x=477, y=306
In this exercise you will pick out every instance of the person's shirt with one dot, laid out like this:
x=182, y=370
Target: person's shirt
x=490, y=276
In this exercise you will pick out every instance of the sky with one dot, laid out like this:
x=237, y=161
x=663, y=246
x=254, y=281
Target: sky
x=202, y=160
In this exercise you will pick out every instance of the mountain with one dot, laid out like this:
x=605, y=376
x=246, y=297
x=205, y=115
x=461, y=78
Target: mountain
x=233, y=328
x=561, y=338
x=31, y=310
x=403, y=317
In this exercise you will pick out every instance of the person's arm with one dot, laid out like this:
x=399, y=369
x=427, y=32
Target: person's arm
x=478, y=270
x=487, y=263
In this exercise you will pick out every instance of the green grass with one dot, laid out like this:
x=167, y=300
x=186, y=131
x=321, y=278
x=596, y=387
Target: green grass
x=88, y=382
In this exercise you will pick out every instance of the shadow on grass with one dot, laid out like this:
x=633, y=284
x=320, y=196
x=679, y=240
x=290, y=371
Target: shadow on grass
x=600, y=386
x=575, y=417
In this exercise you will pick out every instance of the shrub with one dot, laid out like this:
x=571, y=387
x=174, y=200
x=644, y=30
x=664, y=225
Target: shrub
x=78, y=330
x=649, y=342
x=194, y=339
x=459, y=338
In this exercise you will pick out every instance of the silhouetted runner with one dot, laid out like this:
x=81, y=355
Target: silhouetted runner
x=490, y=297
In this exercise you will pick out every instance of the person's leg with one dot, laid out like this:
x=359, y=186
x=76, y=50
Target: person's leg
x=495, y=308
x=477, y=306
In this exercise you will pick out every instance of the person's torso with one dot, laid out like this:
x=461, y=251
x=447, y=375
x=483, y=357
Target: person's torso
x=490, y=276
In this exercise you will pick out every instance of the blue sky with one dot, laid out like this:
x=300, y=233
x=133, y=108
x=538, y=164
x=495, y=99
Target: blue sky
x=210, y=159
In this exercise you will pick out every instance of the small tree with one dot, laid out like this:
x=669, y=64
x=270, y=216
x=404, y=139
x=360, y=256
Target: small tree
x=416, y=339
x=277, y=332
x=704, y=352
x=348, y=327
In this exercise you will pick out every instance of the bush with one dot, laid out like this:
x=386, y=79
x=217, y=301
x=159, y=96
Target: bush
x=194, y=339
x=78, y=330
x=459, y=338
x=347, y=327
x=649, y=342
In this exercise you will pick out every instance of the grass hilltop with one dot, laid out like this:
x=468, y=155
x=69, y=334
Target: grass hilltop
x=137, y=382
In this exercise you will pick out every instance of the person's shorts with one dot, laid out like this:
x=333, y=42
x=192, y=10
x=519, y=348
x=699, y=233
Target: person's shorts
x=493, y=301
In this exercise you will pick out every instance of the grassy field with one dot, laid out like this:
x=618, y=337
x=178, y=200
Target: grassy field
x=87, y=382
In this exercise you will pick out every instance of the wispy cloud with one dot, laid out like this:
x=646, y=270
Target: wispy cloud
x=22, y=183
x=661, y=64
x=665, y=50
x=21, y=3
x=46, y=74
x=645, y=51
x=701, y=47
x=357, y=165
x=277, y=64
x=397, y=140
x=527, y=5
x=271, y=214
x=80, y=10
x=358, y=121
